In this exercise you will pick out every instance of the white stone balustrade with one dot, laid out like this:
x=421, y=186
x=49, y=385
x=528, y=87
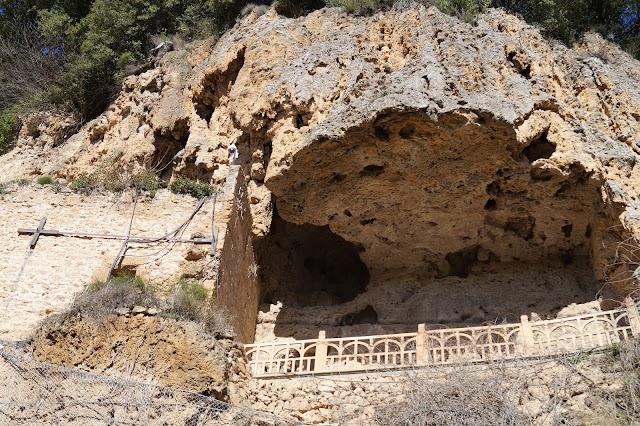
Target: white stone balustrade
x=444, y=346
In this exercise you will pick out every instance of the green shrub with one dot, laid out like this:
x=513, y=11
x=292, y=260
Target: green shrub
x=182, y=185
x=123, y=291
x=295, y=8
x=193, y=289
x=190, y=301
x=85, y=182
x=145, y=180
x=361, y=7
x=117, y=178
x=45, y=180
x=9, y=126
x=466, y=10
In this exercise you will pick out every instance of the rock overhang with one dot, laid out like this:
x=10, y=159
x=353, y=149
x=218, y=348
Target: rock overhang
x=415, y=193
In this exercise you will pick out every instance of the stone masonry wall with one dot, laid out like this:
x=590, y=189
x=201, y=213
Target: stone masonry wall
x=60, y=267
x=238, y=288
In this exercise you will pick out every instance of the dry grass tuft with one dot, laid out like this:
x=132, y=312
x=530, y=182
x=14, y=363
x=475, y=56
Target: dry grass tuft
x=189, y=301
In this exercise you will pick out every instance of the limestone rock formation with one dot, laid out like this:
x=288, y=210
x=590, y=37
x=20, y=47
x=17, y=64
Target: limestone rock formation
x=174, y=354
x=436, y=149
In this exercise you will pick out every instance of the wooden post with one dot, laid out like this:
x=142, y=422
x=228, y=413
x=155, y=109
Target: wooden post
x=214, y=229
x=321, y=353
x=526, y=333
x=634, y=317
x=422, y=355
x=36, y=233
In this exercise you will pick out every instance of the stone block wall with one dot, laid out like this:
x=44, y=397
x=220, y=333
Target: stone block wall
x=60, y=267
x=238, y=287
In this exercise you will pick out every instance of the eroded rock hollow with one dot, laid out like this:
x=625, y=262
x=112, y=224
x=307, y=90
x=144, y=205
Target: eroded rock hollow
x=402, y=168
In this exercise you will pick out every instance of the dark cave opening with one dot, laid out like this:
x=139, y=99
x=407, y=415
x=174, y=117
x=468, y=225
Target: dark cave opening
x=167, y=147
x=539, y=148
x=308, y=265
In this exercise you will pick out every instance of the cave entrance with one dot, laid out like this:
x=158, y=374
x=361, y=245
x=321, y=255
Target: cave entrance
x=458, y=223
x=307, y=265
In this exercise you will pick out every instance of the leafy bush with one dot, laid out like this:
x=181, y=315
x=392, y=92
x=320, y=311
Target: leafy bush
x=74, y=53
x=9, y=126
x=85, y=183
x=466, y=10
x=190, y=300
x=295, y=8
x=102, y=298
x=117, y=178
x=145, y=180
x=361, y=7
x=45, y=180
x=197, y=189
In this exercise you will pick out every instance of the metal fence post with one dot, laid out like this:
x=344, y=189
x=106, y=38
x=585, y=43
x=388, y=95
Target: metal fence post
x=321, y=353
x=526, y=332
x=421, y=345
x=634, y=317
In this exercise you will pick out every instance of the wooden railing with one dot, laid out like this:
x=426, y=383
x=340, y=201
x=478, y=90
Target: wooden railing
x=444, y=346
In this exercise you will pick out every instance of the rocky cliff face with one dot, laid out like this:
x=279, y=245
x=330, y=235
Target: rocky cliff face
x=170, y=353
x=433, y=149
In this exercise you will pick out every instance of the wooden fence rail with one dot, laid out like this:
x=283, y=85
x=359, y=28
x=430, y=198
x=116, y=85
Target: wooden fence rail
x=445, y=346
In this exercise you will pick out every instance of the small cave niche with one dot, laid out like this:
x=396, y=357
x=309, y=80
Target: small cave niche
x=407, y=131
x=520, y=64
x=217, y=85
x=461, y=262
x=372, y=170
x=308, y=265
x=521, y=226
x=167, y=146
x=539, y=148
x=367, y=315
x=491, y=204
x=381, y=133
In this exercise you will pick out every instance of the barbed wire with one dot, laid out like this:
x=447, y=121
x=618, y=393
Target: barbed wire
x=41, y=393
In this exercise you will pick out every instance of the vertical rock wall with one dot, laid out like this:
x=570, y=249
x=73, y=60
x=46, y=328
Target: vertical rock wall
x=238, y=288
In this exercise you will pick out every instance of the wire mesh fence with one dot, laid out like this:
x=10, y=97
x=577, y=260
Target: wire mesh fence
x=34, y=393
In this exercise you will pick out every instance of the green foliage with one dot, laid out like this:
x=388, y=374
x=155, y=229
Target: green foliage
x=123, y=291
x=9, y=126
x=45, y=180
x=466, y=10
x=190, y=301
x=357, y=7
x=85, y=183
x=193, y=289
x=116, y=178
x=615, y=350
x=202, y=18
x=73, y=53
x=145, y=180
x=182, y=185
x=295, y=8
